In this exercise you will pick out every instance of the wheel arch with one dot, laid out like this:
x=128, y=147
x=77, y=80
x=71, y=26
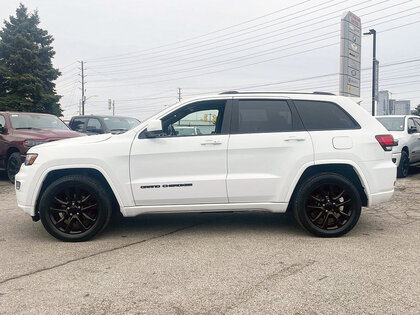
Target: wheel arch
x=405, y=148
x=53, y=175
x=344, y=169
x=10, y=151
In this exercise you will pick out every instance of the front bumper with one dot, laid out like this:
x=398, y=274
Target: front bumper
x=24, y=192
x=396, y=157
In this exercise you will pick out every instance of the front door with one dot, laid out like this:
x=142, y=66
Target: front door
x=267, y=147
x=187, y=163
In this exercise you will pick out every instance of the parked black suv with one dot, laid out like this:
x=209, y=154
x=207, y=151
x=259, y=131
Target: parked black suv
x=93, y=124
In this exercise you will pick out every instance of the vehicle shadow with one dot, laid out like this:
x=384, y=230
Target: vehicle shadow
x=230, y=222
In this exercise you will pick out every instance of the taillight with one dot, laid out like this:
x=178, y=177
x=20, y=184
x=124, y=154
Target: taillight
x=386, y=141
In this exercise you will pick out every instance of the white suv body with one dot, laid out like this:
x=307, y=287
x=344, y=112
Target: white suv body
x=256, y=156
x=406, y=130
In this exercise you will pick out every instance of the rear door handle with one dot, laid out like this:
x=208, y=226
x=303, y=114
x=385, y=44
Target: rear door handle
x=294, y=139
x=211, y=142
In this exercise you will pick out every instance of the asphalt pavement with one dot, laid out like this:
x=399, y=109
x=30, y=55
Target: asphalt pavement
x=232, y=263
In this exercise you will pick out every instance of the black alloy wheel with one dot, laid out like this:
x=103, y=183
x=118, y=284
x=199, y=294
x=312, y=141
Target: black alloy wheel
x=328, y=205
x=75, y=208
x=13, y=166
x=404, y=167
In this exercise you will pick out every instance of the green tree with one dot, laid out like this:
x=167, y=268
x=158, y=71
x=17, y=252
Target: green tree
x=26, y=70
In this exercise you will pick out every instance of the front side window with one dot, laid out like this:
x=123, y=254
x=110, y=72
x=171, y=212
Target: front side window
x=417, y=122
x=36, y=121
x=261, y=116
x=411, y=124
x=94, y=125
x=2, y=121
x=319, y=115
x=78, y=124
x=201, y=118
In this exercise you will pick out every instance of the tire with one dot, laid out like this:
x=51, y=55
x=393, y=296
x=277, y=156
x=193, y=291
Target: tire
x=327, y=205
x=75, y=208
x=404, y=166
x=13, y=166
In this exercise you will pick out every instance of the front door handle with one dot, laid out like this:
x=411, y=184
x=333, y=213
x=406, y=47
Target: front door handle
x=211, y=142
x=294, y=139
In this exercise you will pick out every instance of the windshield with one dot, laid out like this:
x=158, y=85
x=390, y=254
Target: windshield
x=120, y=123
x=392, y=123
x=36, y=121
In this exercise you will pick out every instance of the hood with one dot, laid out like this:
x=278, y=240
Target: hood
x=46, y=134
x=76, y=141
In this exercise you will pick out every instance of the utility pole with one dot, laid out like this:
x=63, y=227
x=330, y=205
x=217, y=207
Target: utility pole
x=113, y=108
x=179, y=95
x=374, y=70
x=82, y=68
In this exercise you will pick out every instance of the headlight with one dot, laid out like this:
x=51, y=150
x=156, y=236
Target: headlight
x=32, y=143
x=30, y=158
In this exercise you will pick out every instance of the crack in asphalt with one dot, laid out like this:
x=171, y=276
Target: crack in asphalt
x=248, y=293
x=100, y=253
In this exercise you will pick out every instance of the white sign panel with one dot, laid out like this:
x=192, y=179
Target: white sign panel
x=350, y=52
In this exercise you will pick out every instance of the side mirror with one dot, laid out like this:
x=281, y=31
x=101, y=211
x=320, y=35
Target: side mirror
x=3, y=129
x=412, y=130
x=154, y=128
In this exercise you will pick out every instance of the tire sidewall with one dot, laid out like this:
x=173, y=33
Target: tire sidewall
x=401, y=171
x=309, y=186
x=95, y=188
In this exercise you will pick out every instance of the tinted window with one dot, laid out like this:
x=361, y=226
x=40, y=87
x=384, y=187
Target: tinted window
x=120, y=123
x=202, y=118
x=257, y=116
x=94, y=125
x=78, y=124
x=318, y=115
x=2, y=121
x=392, y=123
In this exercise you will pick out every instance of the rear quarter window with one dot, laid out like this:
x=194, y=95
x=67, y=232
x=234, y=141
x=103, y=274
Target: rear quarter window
x=320, y=115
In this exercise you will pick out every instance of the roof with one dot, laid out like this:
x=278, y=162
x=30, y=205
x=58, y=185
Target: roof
x=102, y=116
x=277, y=92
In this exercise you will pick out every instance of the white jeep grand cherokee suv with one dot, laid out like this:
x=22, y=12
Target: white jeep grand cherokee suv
x=319, y=155
x=405, y=130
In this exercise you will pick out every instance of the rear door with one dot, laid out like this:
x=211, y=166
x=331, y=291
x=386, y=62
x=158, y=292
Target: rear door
x=267, y=147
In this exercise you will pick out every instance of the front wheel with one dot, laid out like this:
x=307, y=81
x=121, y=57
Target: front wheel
x=327, y=205
x=404, y=167
x=13, y=166
x=75, y=208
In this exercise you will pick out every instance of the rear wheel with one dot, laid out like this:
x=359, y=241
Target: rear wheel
x=13, y=166
x=327, y=205
x=75, y=208
x=404, y=166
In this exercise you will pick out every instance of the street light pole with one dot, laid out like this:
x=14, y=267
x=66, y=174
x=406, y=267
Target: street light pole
x=374, y=78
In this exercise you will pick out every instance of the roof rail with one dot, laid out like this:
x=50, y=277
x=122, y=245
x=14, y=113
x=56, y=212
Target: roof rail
x=276, y=92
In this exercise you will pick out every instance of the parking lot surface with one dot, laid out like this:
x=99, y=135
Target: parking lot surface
x=232, y=263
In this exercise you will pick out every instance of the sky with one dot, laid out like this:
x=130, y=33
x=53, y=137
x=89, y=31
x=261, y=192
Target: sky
x=139, y=53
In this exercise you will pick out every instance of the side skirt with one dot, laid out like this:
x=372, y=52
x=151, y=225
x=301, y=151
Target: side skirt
x=221, y=207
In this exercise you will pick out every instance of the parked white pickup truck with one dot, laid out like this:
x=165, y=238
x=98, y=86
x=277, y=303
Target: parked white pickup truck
x=406, y=130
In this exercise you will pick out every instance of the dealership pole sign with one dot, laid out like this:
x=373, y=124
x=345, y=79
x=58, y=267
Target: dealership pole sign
x=350, y=54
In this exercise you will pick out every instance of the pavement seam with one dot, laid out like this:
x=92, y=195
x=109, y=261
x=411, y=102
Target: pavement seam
x=99, y=253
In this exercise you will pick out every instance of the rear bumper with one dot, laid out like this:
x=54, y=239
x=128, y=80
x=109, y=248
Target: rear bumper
x=380, y=177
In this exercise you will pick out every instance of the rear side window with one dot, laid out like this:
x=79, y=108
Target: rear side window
x=318, y=115
x=260, y=116
x=78, y=124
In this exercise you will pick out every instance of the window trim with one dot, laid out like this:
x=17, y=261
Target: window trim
x=225, y=128
x=357, y=125
x=296, y=121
